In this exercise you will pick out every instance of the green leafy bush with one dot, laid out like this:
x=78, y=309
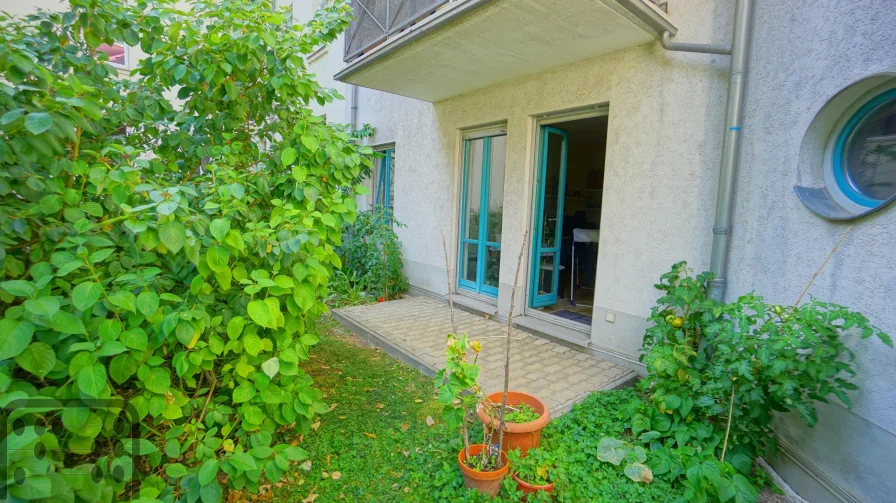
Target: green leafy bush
x=371, y=253
x=719, y=371
x=176, y=267
x=534, y=467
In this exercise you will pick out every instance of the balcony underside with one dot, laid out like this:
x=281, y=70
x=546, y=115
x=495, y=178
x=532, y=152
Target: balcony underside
x=447, y=54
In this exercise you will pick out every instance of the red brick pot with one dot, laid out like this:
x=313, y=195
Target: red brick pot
x=484, y=482
x=528, y=488
x=522, y=436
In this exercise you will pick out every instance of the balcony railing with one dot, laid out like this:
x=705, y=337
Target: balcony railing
x=377, y=20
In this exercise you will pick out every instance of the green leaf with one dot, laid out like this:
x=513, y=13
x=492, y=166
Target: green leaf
x=235, y=327
x=611, y=450
x=147, y=303
x=67, y=323
x=19, y=288
x=85, y=295
x=38, y=358
x=139, y=446
x=135, y=338
x=271, y=367
x=92, y=380
x=173, y=236
x=179, y=72
x=124, y=299
x=211, y=493
x=288, y=156
x=311, y=142
x=260, y=313
x=38, y=122
x=51, y=204
x=243, y=393
x=639, y=473
x=158, y=380
x=121, y=368
x=175, y=470
x=15, y=336
x=43, y=306
x=218, y=258
x=74, y=418
x=208, y=471
x=219, y=228
x=243, y=461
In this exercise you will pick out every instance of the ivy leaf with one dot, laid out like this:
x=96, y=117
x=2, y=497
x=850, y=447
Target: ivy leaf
x=173, y=236
x=92, y=380
x=67, y=323
x=38, y=122
x=85, y=295
x=219, y=228
x=38, y=358
x=147, y=303
x=43, y=306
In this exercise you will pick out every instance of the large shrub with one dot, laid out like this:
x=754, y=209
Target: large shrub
x=719, y=371
x=164, y=242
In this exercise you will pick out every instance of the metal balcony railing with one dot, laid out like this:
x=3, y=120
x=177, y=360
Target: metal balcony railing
x=376, y=20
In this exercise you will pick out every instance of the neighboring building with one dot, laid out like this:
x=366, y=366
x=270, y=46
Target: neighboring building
x=567, y=119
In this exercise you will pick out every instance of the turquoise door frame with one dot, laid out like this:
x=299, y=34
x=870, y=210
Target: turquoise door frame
x=481, y=243
x=541, y=294
x=383, y=196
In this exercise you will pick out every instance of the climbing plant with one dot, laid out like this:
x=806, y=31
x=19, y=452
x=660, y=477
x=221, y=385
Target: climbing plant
x=165, y=240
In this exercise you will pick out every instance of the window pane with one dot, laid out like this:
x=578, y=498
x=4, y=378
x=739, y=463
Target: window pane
x=115, y=51
x=871, y=154
x=492, y=266
x=496, y=189
x=546, y=264
x=473, y=167
x=392, y=179
x=552, y=189
x=469, y=261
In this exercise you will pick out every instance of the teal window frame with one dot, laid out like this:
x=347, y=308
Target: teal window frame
x=383, y=197
x=481, y=242
x=840, y=167
x=547, y=299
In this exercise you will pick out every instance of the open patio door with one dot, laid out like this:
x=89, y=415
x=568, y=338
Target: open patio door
x=549, y=196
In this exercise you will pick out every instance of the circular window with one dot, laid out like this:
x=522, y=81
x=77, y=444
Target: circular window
x=864, y=157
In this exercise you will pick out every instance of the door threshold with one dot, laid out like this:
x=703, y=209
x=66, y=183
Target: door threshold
x=474, y=305
x=576, y=339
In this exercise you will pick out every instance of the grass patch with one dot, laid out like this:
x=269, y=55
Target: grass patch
x=376, y=444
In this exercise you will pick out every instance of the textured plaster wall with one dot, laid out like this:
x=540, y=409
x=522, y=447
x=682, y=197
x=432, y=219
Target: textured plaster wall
x=802, y=56
x=663, y=150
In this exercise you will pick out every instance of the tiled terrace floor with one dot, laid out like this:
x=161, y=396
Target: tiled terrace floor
x=413, y=329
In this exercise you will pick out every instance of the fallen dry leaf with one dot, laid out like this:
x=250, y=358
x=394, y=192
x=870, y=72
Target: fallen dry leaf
x=407, y=489
x=406, y=453
x=405, y=426
x=324, y=475
x=306, y=465
x=336, y=475
x=430, y=421
x=341, y=417
x=379, y=406
x=315, y=426
x=371, y=435
x=311, y=497
x=333, y=406
x=418, y=401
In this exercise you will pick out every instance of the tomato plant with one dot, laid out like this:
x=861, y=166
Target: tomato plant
x=165, y=240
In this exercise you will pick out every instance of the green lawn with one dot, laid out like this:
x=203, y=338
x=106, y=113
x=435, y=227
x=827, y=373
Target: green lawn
x=377, y=444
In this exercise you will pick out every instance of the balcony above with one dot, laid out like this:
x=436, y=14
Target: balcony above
x=435, y=49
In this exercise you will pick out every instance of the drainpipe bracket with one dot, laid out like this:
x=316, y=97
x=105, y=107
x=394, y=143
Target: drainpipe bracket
x=721, y=230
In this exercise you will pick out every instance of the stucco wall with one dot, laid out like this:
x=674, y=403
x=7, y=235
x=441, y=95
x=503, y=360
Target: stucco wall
x=663, y=150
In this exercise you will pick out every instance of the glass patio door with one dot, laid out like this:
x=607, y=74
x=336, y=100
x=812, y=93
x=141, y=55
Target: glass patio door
x=482, y=207
x=549, y=195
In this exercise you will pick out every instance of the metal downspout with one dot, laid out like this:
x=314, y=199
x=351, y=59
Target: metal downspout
x=721, y=231
x=353, y=114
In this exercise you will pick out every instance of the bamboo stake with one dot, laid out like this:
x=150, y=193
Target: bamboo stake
x=465, y=418
x=516, y=279
x=833, y=250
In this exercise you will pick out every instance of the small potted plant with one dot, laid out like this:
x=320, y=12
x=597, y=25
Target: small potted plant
x=483, y=466
x=525, y=418
x=532, y=470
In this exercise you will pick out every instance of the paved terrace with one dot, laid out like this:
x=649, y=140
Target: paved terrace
x=413, y=329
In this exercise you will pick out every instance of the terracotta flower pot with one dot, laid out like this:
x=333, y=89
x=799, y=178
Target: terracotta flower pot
x=522, y=436
x=484, y=482
x=528, y=488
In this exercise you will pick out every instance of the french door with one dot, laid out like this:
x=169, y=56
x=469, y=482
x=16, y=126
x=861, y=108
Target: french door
x=482, y=207
x=549, y=195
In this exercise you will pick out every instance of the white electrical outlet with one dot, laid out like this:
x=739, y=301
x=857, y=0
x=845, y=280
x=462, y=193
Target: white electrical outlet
x=611, y=317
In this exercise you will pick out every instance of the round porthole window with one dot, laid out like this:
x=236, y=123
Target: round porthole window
x=864, y=156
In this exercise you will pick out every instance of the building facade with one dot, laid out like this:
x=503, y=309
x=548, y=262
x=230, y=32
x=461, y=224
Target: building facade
x=564, y=128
